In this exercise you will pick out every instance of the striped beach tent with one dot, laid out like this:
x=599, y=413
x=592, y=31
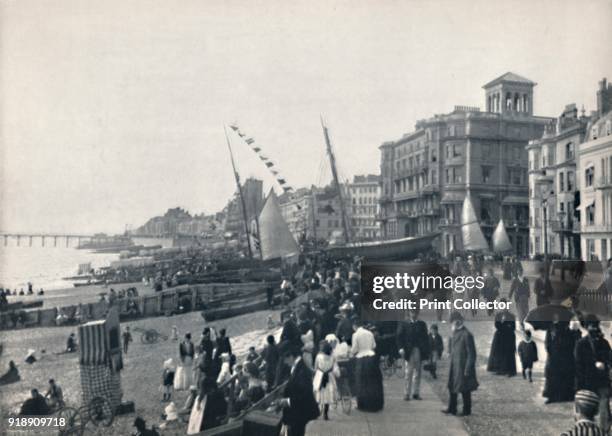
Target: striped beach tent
x=94, y=343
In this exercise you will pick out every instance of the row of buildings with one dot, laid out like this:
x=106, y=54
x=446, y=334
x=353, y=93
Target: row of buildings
x=549, y=179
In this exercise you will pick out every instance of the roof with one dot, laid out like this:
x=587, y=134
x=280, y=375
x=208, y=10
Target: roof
x=510, y=77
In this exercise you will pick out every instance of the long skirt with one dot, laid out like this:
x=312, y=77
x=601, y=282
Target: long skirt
x=183, y=378
x=368, y=384
x=502, y=359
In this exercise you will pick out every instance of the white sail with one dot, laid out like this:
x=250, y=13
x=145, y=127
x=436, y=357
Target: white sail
x=473, y=238
x=501, y=240
x=275, y=238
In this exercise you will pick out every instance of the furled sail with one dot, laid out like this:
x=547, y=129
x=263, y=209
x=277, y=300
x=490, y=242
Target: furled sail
x=473, y=238
x=501, y=241
x=275, y=238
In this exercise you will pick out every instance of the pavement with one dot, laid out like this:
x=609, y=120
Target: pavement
x=398, y=417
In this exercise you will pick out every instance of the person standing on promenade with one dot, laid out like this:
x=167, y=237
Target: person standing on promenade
x=559, y=371
x=520, y=290
x=502, y=358
x=368, y=377
x=491, y=288
x=462, y=371
x=413, y=345
x=298, y=402
x=585, y=408
x=528, y=352
x=593, y=356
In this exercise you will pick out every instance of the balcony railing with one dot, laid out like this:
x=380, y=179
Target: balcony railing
x=597, y=228
x=445, y=222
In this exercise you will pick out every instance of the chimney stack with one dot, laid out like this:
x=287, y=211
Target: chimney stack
x=604, y=97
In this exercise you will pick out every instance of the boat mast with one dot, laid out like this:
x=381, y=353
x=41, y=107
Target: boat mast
x=237, y=177
x=314, y=215
x=332, y=161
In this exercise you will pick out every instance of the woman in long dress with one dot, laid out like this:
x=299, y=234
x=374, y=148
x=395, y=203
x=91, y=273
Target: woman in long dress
x=324, y=382
x=368, y=378
x=184, y=373
x=502, y=359
x=559, y=370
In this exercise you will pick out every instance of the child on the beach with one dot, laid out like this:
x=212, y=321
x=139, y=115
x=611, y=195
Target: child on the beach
x=528, y=352
x=168, y=380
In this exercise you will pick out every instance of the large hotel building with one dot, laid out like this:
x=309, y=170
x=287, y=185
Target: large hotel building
x=426, y=174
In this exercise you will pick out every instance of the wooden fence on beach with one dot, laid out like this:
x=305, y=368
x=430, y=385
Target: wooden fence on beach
x=190, y=297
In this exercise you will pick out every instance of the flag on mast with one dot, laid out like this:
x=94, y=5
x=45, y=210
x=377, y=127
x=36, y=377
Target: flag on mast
x=501, y=240
x=473, y=238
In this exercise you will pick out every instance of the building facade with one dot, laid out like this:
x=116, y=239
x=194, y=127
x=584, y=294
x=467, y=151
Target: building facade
x=315, y=217
x=363, y=197
x=427, y=174
x=252, y=192
x=554, y=224
x=595, y=180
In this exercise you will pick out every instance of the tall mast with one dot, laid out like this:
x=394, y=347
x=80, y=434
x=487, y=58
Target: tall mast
x=313, y=207
x=237, y=177
x=332, y=161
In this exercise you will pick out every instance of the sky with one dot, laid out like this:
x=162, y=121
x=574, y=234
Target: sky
x=112, y=112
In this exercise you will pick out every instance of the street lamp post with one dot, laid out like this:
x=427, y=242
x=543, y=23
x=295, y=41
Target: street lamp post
x=516, y=231
x=545, y=212
x=562, y=226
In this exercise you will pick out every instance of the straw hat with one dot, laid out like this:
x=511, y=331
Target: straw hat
x=169, y=364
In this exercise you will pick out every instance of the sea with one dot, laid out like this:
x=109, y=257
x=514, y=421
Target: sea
x=47, y=266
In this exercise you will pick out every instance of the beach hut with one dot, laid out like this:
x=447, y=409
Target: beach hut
x=100, y=360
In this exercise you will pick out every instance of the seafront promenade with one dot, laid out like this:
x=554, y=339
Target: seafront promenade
x=399, y=417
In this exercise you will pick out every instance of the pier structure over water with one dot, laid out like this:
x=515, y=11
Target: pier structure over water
x=45, y=238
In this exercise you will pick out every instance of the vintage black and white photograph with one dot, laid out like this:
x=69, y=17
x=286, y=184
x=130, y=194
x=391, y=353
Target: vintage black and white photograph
x=321, y=218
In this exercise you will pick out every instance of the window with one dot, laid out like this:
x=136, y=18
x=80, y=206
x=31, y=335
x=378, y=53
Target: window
x=590, y=214
x=594, y=132
x=589, y=176
x=570, y=181
x=456, y=150
x=561, y=182
x=591, y=255
x=486, y=174
x=609, y=127
x=434, y=156
x=517, y=153
x=569, y=151
x=447, y=175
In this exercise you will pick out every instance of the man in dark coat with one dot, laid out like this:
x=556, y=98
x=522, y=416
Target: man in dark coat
x=413, y=345
x=593, y=357
x=491, y=288
x=206, y=345
x=291, y=333
x=462, y=371
x=298, y=403
x=271, y=358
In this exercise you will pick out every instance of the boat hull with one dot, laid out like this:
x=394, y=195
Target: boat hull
x=395, y=249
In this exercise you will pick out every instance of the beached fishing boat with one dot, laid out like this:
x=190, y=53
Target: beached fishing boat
x=392, y=249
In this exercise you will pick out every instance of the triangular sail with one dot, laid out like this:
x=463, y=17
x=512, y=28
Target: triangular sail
x=473, y=238
x=501, y=240
x=275, y=238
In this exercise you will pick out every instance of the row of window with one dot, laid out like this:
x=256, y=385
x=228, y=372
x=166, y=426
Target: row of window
x=365, y=200
x=364, y=189
x=364, y=210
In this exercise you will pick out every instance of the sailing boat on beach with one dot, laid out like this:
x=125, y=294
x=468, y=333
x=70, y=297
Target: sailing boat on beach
x=275, y=238
x=473, y=238
x=501, y=240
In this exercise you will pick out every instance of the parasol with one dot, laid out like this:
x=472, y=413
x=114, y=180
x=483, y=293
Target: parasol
x=541, y=317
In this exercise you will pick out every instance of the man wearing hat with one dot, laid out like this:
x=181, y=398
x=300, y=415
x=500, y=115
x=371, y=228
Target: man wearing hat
x=586, y=405
x=462, y=371
x=298, y=402
x=413, y=345
x=593, y=355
